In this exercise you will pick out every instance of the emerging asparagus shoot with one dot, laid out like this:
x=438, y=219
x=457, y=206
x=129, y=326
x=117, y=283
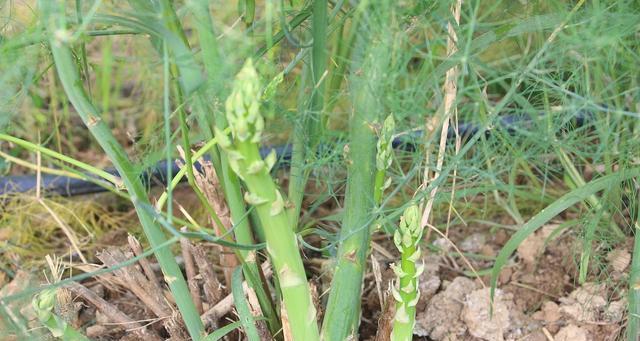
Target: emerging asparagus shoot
x=406, y=293
x=246, y=124
x=384, y=157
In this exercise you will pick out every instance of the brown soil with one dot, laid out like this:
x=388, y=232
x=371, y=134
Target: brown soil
x=538, y=298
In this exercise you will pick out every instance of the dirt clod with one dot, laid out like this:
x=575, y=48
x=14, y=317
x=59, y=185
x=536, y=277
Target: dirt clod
x=585, y=303
x=549, y=313
x=476, y=314
x=533, y=246
x=572, y=333
x=473, y=243
x=441, y=320
x=619, y=259
x=615, y=311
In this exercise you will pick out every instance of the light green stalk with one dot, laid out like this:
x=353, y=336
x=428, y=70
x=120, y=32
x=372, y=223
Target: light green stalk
x=59, y=39
x=406, y=292
x=247, y=124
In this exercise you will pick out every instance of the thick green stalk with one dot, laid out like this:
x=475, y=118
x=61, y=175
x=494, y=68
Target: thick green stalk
x=68, y=73
x=407, y=238
x=306, y=135
x=282, y=246
x=343, y=307
x=246, y=123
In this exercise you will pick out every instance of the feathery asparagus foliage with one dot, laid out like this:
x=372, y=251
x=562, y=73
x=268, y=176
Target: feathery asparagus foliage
x=406, y=292
x=247, y=124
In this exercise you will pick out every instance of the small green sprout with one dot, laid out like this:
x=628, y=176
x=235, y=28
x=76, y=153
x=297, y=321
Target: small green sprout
x=43, y=304
x=384, y=157
x=406, y=293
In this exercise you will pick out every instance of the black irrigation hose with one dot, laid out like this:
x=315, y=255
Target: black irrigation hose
x=67, y=187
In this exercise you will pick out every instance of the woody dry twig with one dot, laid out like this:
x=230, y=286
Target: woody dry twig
x=207, y=181
x=190, y=269
x=113, y=313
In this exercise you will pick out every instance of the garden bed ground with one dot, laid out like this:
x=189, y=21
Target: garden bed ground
x=539, y=297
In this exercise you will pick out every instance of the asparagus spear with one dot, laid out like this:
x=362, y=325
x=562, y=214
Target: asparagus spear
x=246, y=125
x=406, y=292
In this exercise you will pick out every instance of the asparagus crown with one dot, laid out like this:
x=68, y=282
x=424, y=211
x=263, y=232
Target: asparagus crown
x=242, y=106
x=385, y=145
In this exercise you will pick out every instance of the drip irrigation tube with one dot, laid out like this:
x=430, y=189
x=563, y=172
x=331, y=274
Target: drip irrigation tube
x=156, y=175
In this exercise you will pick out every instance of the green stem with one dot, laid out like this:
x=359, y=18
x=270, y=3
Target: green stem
x=228, y=179
x=307, y=134
x=51, y=153
x=247, y=125
x=166, y=103
x=378, y=186
x=403, y=328
x=345, y=46
x=407, y=238
x=343, y=307
x=282, y=246
x=344, y=299
x=83, y=49
x=70, y=78
x=296, y=21
x=248, y=11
